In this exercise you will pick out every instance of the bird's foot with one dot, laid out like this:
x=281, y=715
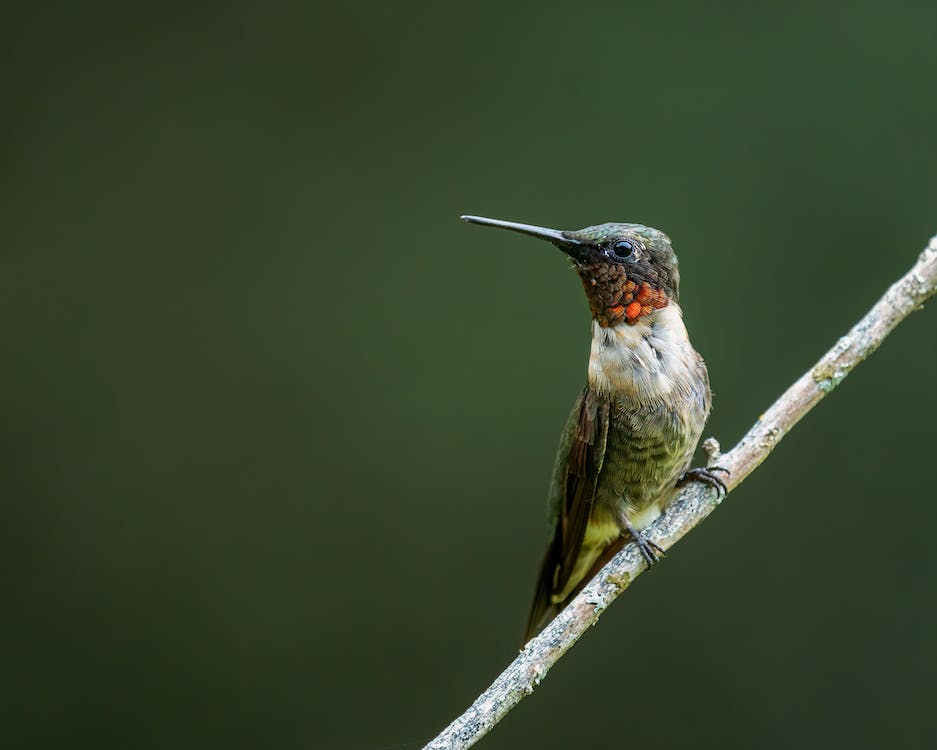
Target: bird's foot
x=707, y=475
x=650, y=551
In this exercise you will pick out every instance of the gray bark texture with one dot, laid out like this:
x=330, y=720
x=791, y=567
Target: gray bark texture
x=693, y=505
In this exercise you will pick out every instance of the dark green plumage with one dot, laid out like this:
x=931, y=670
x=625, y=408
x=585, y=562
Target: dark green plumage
x=631, y=434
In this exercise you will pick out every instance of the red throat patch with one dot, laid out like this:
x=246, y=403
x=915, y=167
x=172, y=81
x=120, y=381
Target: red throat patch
x=614, y=298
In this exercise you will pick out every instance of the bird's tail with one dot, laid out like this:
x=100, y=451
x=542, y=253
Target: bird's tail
x=544, y=609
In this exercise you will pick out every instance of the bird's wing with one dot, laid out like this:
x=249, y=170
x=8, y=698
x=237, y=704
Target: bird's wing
x=578, y=463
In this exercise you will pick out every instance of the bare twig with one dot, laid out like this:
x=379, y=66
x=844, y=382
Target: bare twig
x=693, y=505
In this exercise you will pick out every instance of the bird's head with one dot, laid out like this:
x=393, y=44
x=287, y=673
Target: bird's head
x=627, y=270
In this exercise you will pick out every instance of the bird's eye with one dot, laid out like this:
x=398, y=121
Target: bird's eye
x=623, y=249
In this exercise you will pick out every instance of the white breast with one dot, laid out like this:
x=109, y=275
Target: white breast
x=646, y=361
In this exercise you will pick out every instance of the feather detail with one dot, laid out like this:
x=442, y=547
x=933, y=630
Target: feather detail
x=579, y=463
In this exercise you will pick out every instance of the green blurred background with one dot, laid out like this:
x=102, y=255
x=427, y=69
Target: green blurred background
x=277, y=427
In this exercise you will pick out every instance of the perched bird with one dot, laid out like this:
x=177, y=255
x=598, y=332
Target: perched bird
x=630, y=438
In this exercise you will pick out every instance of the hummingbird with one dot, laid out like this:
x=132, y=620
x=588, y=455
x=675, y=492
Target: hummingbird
x=629, y=441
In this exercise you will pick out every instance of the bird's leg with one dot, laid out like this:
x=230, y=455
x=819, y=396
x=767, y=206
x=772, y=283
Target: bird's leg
x=707, y=475
x=650, y=551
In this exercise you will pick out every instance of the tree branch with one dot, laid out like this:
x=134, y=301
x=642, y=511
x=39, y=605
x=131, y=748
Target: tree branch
x=693, y=504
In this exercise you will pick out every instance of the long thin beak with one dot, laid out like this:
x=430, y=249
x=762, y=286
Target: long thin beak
x=555, y=236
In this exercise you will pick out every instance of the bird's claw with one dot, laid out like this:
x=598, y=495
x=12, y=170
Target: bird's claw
x=707, y=475
x=650, y=551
